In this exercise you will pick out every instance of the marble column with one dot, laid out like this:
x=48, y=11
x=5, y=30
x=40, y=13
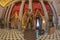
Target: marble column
x=20, y=15
x=8, y=17
x=30, y=4
x=6, y=13
x=54, y=15
x=45, y=14
x=2, y=11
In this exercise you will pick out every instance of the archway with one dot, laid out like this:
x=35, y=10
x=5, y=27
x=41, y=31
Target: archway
x=14, y=16
x=24, y=15
x=51, y=16
x=36, y=5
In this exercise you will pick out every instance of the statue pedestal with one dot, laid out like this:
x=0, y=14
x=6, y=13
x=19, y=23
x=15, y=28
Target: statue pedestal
x=51, y=30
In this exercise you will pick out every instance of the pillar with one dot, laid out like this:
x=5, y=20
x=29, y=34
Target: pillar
x=6, y=13
x=52, y=29
x=20, y=15
x=8, y=17
x=2, y=12
x=30, y=4
x=46, y=15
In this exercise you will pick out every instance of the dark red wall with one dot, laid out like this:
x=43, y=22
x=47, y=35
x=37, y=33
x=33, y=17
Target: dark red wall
x=35, y=5
x=38, y=6
x=16, y=7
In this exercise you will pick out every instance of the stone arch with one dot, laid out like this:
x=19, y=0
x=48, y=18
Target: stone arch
x=9, y=11
x=44, y=9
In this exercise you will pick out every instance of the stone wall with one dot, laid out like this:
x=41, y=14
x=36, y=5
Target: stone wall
x=57, y=6
x=58, y=22
x=1, y=12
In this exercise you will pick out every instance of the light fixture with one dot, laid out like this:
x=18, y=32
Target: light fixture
x=43, y=21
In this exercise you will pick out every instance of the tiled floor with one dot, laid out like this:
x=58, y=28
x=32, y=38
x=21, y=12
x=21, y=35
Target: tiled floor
x=11, y=35
x=14, y=34
x=55, y=36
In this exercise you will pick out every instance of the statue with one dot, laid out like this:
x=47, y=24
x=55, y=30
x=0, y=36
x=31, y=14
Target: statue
x=24, y=20
x=15, y=20
x=30, y=22
x=50, y=19
x=51, y=25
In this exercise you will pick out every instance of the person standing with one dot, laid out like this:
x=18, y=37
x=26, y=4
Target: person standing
x=37, y=24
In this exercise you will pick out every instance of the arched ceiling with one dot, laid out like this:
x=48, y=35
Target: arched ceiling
x=5, y=3
x=56, y=5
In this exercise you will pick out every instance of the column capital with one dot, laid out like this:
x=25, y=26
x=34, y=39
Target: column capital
x=40, y=0
x=46, y=0
x=49, y=0
x=23, y=0
x=30, y=0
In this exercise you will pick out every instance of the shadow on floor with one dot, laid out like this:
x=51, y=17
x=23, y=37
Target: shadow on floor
x=29, y=34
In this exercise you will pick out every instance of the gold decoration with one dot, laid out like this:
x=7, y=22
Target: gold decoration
x=16, y=15
x=4, y=3
x=15, y=20
x=24, y=20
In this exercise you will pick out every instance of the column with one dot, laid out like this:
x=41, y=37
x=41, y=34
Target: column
x=2, y=12
x=30, y=4
x=20, y=14
x=8, y=17
x=46, y=14
x=6, y=13
x=54, y=16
